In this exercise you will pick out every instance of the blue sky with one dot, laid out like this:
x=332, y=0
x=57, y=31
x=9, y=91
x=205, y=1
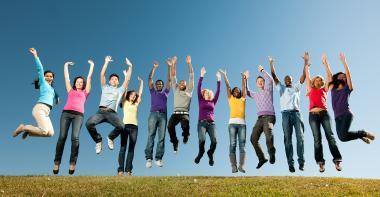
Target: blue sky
x=236, y=35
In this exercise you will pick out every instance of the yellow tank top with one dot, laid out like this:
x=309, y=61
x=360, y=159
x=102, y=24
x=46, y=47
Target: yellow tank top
x=237, y=107
x=130, y=113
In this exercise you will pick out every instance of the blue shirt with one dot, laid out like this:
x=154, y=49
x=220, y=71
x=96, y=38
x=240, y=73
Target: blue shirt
x=47, y=93
x=111, y=96
x=289, y=96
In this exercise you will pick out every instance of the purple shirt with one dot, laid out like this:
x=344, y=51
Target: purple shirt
x=340, y=100
x=206, y=108
x=264, y=98
x=158, y=100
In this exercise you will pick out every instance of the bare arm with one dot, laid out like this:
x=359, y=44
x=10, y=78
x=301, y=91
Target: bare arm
x=140, y=90
x=127, y=74
x=151, y=74
x=170, y=64
x=347, y=70
x=173, y=80
x=228, y=88
x=191, y=74
x=328, y=71
x=306, y=58
x=244, y=79
x=273, y=71
x=107, y=60
x=89, y=76
x=67, y=76
x=308, y=82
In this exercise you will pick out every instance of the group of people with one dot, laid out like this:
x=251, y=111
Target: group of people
x=114, y=96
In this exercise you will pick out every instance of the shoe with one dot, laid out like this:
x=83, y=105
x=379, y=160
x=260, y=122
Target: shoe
x=159, y=163
x=24, y=135
x=242, y=162
x=185, y=139
x=129, y=173
x=18, y=130
x=366, y=140
x=321, y=167
x=338, y=166
x=369, y=135
x=98, y=148
x=292, y=169
x=197, y=159
x=72, y=169
x=272, y=159
x=110, y=143
x=56, y=169
x=302, y=167
x=120, y=173
x=175, y=147
x=148, y=163
x=211, y=158
x=261, y=163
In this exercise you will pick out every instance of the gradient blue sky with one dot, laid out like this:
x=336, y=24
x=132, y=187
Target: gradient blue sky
x=235, y=35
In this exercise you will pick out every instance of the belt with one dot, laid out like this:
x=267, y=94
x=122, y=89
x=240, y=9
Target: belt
x=159, y=111
x=181, y=112
x=293, y=110
x=106, y=109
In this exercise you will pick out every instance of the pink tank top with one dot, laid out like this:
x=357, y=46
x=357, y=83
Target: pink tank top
x=75, y=100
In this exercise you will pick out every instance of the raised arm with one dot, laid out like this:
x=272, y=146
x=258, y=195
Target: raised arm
x=89, y=76
x=267, y=77
x=127, y=74
x=244, y=78
x=191, y=74
x=228, y=88
x=328, y=71
x=170, y=64
x=305, y=58
x=273, y=71
x=199, y=87
x=218, y=77
x=308, y=81
x=173, y=80
x=342, y=58
x=151, y=74
x=107, y=60
x=40, y=68
x=66, y=75
x=140, y=90
x=249, y=92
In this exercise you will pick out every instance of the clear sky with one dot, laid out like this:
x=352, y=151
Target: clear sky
x=236, y=35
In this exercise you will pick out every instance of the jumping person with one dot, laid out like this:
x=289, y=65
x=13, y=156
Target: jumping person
x=157, y=117
x=111, y=96
x=130, y=104
x=72, y=114
x=266, y=116
x=182, y=99
x=47, y=98
x=206, y=120
x=341, y=88
x=291, y=116
x=317, y=89
x=236, y=124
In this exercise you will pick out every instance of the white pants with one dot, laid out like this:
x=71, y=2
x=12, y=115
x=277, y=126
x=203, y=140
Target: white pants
x=41, y=115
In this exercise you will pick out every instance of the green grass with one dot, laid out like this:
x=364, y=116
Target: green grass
x=186, y=186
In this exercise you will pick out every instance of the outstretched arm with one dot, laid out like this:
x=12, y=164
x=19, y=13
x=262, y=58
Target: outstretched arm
x=199, y=87
x=40, y=68
x=308, y=81
x=107, y=60
x=218, y=77
x=89, y=76
x=228, y=88
x=347, y=70
x=244, y=78
x=66, y=75
x=267, y=77
x=191, y=74
x=170, y=64
x=140, y=90
x=174, y=73
x=273, y=71
x=328, y=72
x=306, y=58
x=151, y=74
x=127, y=74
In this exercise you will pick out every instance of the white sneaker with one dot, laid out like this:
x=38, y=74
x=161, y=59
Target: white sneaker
x=110, y=143
x=148, y=163
x=98, y=147
x=159, y=163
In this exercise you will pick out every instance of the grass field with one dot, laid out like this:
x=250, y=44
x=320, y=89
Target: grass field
x=186, y=186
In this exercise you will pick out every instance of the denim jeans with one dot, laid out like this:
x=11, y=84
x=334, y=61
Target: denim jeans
x=156, y=124
x=131, y=132
x=343, y=124
x=104, y=116
x=173, y=121
x=76, y=121
x=203, y=128
x=292, y=119
x=237, y=131
x=316, y=120
x=263, y=124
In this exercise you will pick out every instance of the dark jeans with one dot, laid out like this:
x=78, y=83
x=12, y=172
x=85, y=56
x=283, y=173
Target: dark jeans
x=292, y=119
x=131, y=132
x=237, y=131
x=343, y=124
x=156, y=124
x=263, y=124
x=104, y=116
x=76, y=121
x=173, y=121
x=203, y=128
x=316, y=120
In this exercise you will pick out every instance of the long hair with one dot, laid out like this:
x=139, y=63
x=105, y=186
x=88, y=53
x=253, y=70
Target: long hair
x=210, y=92
x=75, y=80
x=316, y=77
x=336, y=82
x=127, y=97
x=232, y=92
x=36, y=82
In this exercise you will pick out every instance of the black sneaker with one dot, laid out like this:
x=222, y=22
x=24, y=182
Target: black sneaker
x=292, y=169
x=302, y=167
x=261, y=163
x=272, y=159
x=185, y=139
x=211, y=158
x=197, y=159
x=175, y=147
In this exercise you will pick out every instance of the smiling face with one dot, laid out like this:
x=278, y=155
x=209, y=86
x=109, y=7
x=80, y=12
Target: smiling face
x=208, y=95
x=182, y=85
x=260, y=83
x=342, y=77
x=288, y=81
x=114, y=81
x=159, y=85
x=132, y=97
x=236, y=92
x=79, y=83
x=318, y=82
x=49, y=77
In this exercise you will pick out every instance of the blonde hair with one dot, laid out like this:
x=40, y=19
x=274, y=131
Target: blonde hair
x=316, y=77
x=210, y=92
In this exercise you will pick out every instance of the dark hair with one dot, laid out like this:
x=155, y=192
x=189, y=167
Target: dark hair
x=260, y=77
x=36, y=82
x=113, y=75
x=75, y=80
x=127, y=97
x=158, y=80
x=232, y=92
x=335, y=81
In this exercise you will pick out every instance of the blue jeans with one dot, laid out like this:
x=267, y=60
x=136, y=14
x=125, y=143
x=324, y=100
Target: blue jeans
x=76, y=121
x=343, y=124
x=101, y=116
x=156, y=124
x=237, y=131
x=203, y=128
x=292, y=119
x=131, y=132
x=316, y=120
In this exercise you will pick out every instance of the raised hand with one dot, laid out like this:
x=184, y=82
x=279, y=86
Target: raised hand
x=125, y=72
x=223, y=72
x=138, y=78
x=108, y=59
x=270, y=58
x=246, y=74
x=128, y=62
x=306, y=56
x=203, y=71
x=33, y=51
x=155, y=64
x=342, y=58
x=188, y=59
x=174, y=60
x=324, y=59
x=90, y=62
x=218, y=76
x=69, y=63
x=260, y=68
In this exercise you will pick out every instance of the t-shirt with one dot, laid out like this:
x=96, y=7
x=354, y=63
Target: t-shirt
x=47, y=93
x=317, y=98
x=111, y=96
x=130, y=113
x=206, y=108
x=182, y=99
x=339, y=100
x=237, y=110
x=289, y=96
x=158, y=100
x=75, y=100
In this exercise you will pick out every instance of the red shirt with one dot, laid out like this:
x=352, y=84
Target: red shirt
x=318, y=98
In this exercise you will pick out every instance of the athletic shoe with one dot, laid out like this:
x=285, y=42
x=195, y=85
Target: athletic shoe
x=321, y=167
x=261, y=163
x=292, y=169
x=369, y=135
x=338, y=166
x=110, y=143
x=98, y=148
x=366, y=140
x=159, y=163
x=175, y=147
x=302, y=167
x=148, y=163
